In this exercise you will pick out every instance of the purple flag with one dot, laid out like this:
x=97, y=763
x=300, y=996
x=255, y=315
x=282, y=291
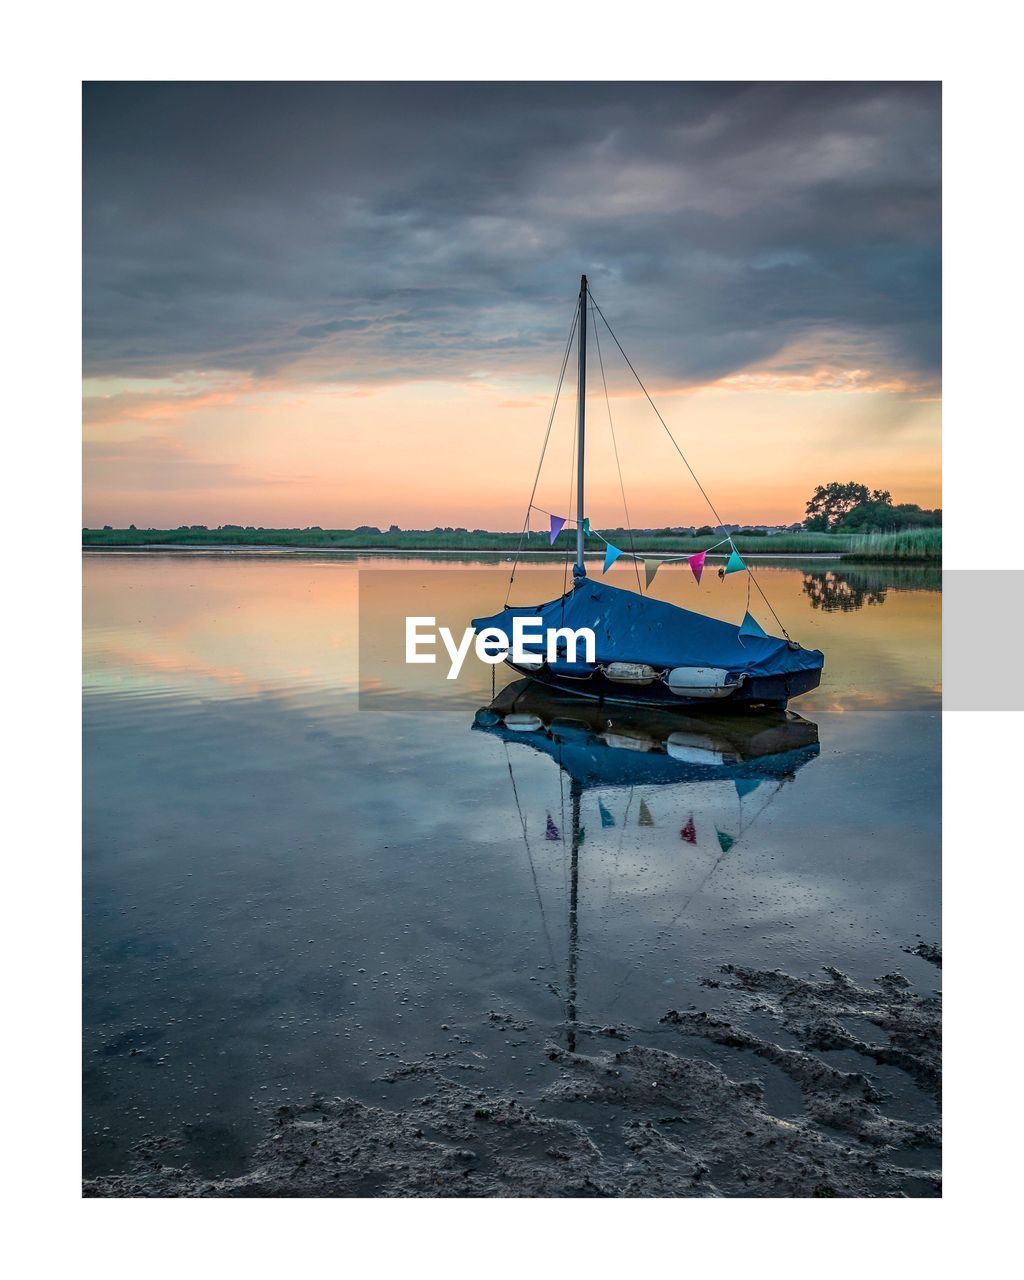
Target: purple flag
x=552, y=831
x=556, y=527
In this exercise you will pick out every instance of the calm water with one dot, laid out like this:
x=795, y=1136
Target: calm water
x=288, y=883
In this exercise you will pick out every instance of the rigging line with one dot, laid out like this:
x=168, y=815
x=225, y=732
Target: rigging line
x=569, y=551
x=622, y=841
x=544, y=447
x=529, y=855
x=717, y=863
x=618, y=464
x=561, y=801
x=745, y=826
x=663, y=932
x=682, y=455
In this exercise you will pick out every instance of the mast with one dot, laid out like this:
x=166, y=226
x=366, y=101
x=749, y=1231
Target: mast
x=576, y=793
x=579, y=569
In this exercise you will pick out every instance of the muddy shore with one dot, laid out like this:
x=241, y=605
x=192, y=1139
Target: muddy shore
x=790, y=1087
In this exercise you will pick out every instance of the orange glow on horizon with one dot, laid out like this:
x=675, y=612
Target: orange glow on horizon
x=221, y=448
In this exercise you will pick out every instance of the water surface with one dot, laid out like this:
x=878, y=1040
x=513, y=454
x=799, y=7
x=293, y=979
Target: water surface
x=298, y=870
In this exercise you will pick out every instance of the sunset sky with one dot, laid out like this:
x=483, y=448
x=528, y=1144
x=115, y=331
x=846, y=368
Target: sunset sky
x=347, y=304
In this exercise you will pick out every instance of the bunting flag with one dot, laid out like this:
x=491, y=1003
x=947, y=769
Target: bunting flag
x=556, y=527
x=734, y=563
x=751, y=627
x=651, y=567
x=552, y=832
x=689, y=832
x=586, y=526
x=583, y=835
x=744, y=786
x=645, y=815
x=725, y=841
x=606, y=818
x=696, y=563
x=611, y=554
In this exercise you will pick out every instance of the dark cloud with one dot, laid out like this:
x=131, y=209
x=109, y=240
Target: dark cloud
x=417, y=230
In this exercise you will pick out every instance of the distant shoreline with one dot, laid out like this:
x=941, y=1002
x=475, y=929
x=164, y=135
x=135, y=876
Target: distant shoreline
x=161, y=548
x=171, y=549
x=912, y=546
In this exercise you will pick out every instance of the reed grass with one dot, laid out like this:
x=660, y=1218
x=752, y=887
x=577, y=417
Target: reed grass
x=916, y=545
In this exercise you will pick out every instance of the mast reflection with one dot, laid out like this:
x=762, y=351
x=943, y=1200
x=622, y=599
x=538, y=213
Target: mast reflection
x=602, y=747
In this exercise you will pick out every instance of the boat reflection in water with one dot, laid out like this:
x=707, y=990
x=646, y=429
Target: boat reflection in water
x=601, y=747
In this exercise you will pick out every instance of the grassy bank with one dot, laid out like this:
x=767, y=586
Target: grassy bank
x=912, y=546
x=917, y=545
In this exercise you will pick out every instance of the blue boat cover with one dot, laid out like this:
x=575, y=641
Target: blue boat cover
x=592, y=763
x=633, y=628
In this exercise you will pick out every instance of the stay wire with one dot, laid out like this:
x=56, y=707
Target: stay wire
x=682, y=455
x=543, y=451
x=529, y=855
x=618, y=464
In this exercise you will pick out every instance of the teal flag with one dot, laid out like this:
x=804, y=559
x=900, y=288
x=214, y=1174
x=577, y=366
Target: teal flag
x=725, y=841
x=586, y=526
x=611, y=554
x=751, y=627
x=606, y=818
x=734, y=563
x=744, y=786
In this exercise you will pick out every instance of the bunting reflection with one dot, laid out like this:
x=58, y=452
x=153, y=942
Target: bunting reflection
x=647, y=768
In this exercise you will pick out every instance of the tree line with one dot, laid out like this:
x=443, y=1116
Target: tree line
x=853, y=508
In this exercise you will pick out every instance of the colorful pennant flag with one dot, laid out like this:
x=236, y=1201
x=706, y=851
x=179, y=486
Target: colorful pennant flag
x=689, y=832
x=751, y=627
x=725, y=841
x=611, y=554
x=646, y=820
x=583, y=835
x=556, y=527
x=606, y=818
x=552, y=831
x=744, y=786
x=586, y=526
x=733, y=565
x=696, y=563
x=651, y=567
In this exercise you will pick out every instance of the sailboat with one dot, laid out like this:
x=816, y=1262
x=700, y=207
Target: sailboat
x=648, y=651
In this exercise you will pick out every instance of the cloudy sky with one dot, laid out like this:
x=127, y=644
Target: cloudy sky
x=347, y=304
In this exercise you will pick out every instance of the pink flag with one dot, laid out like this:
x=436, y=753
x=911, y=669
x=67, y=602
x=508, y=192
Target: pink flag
x=697, y=564
x=556, y=527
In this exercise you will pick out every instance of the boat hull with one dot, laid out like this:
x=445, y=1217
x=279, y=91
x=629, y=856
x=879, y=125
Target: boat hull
x=769, y=693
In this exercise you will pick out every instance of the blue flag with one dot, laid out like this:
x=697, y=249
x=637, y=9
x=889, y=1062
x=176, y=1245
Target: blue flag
x=734, y=563
x=611, y=554
x=606, y=818
x=751, y=627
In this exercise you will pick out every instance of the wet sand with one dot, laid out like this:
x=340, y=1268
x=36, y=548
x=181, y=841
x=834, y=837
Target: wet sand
x=788, y=1089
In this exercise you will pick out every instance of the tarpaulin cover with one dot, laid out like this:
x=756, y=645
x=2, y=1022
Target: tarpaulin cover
x=632, y=628
x=593, y=763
